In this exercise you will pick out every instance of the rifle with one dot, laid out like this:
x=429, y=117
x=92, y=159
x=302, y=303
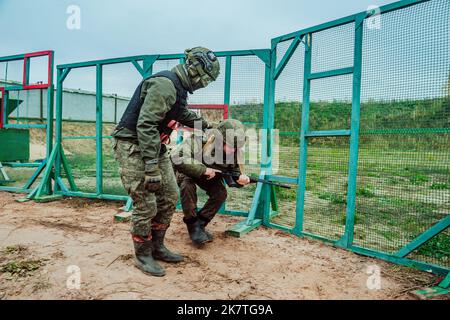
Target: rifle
x=231, y=183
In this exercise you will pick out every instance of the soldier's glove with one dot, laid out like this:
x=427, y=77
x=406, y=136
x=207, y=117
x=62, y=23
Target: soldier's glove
x=152, y=180
x=232, y=181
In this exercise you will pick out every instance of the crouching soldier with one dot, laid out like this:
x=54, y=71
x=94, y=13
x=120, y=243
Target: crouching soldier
x=145, y=169
x=198, y=161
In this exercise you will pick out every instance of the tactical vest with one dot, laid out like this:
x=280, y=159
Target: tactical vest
x=130, y=117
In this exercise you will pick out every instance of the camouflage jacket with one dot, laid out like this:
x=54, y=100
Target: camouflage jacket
x=191, y=158
x=159, y=96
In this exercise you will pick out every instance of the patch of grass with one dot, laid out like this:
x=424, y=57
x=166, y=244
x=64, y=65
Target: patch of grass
x=393, y=181
x=286, y=194
x=41, y=285
x=389, y=235
x=333, y=197
x=84, y=167
x=373, y=174
x=15, y=249
x=365, y=192
x=418, y=178
x=440, y=186
x=437, y=247
x=22, y=268
x=343, y=219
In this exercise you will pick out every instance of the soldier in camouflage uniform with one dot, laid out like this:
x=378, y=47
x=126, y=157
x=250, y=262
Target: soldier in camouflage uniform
x=198, y=161
x=145, y=169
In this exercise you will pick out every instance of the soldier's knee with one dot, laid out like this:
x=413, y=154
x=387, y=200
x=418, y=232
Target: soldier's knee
x=221, y=195
x=188, y=187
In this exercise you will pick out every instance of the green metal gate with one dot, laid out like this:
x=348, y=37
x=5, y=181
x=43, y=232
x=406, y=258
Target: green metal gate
x=368, y=107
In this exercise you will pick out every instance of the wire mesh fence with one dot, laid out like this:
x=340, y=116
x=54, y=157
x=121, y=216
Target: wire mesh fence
x=247, y=92
x=287, y=120
x=333, y=48
x=403, y=168
x=26, y=144
x=326, y=186
x=80, y=136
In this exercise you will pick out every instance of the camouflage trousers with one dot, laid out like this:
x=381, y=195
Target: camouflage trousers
x=215, y=189
x=150, y=210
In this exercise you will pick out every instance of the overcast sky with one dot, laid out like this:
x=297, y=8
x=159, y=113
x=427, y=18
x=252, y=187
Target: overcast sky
x=410, y=47
x=111, y=28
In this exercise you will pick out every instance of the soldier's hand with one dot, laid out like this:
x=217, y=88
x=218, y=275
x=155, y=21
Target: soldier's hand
x=209, y=173
x=243, y=180
x=152, y=180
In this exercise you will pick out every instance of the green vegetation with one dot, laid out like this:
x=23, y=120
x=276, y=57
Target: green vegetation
x=438, y=248
x=440, y=186
x=333, y=197
x=365, y=192
x=16, y=249
x=16, y=262
x=286, y=194
x=378, y=119
x=403, y=161
x=21, y=268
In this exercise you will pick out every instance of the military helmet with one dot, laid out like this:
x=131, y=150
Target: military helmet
x=202, y=65
x=232, y=132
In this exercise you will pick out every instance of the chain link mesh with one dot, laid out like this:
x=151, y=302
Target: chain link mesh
x=403, y=167
x=288, y=110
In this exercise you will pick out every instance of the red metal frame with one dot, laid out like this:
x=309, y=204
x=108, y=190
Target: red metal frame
x=224, y=107
x=26, y=58
x=2, y=99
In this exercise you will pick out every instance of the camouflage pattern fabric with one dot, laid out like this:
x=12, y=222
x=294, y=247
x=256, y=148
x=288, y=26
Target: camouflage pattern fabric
x=215, y=189
x=150, y=210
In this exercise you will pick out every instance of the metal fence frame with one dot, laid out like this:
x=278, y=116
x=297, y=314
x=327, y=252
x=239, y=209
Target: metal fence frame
x=48, y=126
x=346, y=241
x=57, y=159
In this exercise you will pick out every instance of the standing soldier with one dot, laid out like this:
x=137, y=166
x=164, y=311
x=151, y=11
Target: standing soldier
x=198, y=161
x=145, y=169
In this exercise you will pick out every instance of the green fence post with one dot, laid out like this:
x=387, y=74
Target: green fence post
x=49, y=129
x=99, y=129
x=227, y=92
x=27, y=72
x=226, y=100
x=268, y=126
x=347, y=238
x=445, y=283
x=301, y=188
x=58, y=123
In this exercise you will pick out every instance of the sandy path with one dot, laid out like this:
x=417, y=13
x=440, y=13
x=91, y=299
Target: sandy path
x=265, y=264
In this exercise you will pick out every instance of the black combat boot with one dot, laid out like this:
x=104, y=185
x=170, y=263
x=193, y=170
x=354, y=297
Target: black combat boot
x=197, y=235
x=203, y=223
x=160, y=252
x=144, y=258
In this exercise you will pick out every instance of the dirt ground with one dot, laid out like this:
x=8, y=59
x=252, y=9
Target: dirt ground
x=39, y=243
